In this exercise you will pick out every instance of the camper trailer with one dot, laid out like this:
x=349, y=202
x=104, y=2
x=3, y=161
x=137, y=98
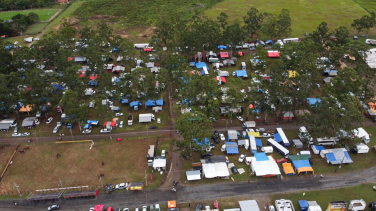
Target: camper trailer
x=360, y=149
x=267, y=149
x=358, y=204
x=252, y=143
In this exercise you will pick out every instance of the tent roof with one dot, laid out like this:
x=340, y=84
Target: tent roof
x=28, y=108
x=258, y=142
x=312, y=101
x=277, y=137
x=249, y=205
x=223, y=54
x=159, y=163
x=287, y=168
x=135, y=103
x=319, y=148
x=201, y=65
x=302, y=166
x=299, y=157
x=274, y=54
x=297, y=142
x=240, y=73
x=261, y=156
x=150, y=103
x=265, y=168
x=193, y=175
x=255, y=134
x=212, y=170
x=338, y=156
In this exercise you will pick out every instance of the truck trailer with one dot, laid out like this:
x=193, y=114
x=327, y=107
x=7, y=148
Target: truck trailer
x=151, y=155
x=146, y=117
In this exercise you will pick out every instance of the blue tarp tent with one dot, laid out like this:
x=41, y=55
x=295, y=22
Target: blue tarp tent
x=258, y=142
x=159, y=102
x=278, y=138
x=222, y=47
x=261, y=156
x=150, y=103
x=313, y=101
x=303, y=205
x=204, y=143
x=241, y=73
x=338, y=156
x=57, y=87
x=135, y=103
x=268, y=42
x=297, y=164
x=123, y=100
x=8, y=47
x=201, y=65
x=232, y=148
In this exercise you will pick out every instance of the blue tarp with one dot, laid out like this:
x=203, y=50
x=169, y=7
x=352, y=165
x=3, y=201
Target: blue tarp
x=241, y=73
x=185, y=81
x=312, y=101
x=278, y=138
x=258, y=142
x=123, y=100
x=261, y=156
x=87, y=126
x=201, y=65
x=135, y=103
x=159, y=102
x=297, y=164
x=8, y=47
x=318, y=148
x=186, y=102
x=222, y=46
x=204, y=143
x=150, y=103
x=328, y=71
x=232, y=148
x=268, y=42
x=92, y=122
x=303, y=205
x=57, y=87
x=330, y=156
x=192, y=63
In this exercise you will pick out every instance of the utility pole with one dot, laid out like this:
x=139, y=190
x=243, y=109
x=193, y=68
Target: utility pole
x=61, y=184
x=146, y=179
x=100, y=179
x=71, y=134
x=16, y=186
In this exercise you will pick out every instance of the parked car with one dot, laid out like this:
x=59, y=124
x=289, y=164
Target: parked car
x=216, y=139
x=206, y=155
x=260, y=130
x=213, y=119
x=153, y=127
x=234, y=170
x=199, y=207
x=163, y=153
x=86, y=131
x=240, y=118
x=241, y=158
x=159, y=120
x=25, y=134
x=105, y=131
x=56, y=129
x=117, y=187
x=16, y=134
x=222, y=137
x=58, y=124
x=49, y=120
x=119, y=114
x=121, y=124
x=53, y=207
x=282, y=160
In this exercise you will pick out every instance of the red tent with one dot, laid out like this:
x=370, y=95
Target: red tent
x=105, y=123
x=223, y=79
x=223, y=55
x=273, y=54
x=98, y=207
x=82, y=74
x=148, y=49
x=93, y=77
x=113, y=124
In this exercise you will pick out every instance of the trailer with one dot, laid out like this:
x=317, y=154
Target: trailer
x=142, y=118
x=249, y=124
x=279, y=148
x=135, y=186
x=358, y=204
x=151, y=154
x=252, y=143
x=130, y=119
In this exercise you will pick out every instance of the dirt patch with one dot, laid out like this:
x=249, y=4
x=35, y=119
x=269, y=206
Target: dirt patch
x=77, y=165
x=149, y=32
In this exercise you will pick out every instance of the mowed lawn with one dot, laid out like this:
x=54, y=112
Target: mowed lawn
x=306, y=15
x=44, y=14
x=78, y=165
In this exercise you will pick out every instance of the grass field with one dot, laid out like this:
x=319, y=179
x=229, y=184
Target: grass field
x=77, y=165
x=306, y=15
x=35, y=28
x=5, y=154
x=323, y=197
x=44, y=14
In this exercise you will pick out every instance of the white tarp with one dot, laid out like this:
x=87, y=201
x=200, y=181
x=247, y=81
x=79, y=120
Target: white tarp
x=264, y=168
x=159, y=163
x=193, y=175
x=212, y=170
x=249, y=205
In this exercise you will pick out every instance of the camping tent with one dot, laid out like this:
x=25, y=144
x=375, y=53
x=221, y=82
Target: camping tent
x=273, y=54
x=241, y=73
x=287, y=168
x=213, y=170
x=200, y=65
x=264, y=168
x=232, y=148
x=338, y=156
x=302, y=166
x=313, y=101
x=135, y=103
x=193, y=175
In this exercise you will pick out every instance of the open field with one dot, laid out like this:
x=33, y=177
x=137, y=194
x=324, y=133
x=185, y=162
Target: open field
x=306, y=15
x=323, y=197
x=368, y=5
x=44, y=14
x=77, y=165
x=5, y=154
x=35, y=28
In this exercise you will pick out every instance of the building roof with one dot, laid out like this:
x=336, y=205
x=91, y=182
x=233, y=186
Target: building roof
x=193, y=175
x=28, y=122
x=249, y=205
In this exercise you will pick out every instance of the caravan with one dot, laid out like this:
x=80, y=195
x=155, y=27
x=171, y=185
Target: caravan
x=287, y=40
x=267, y=149
x=252, y=143
x=283, y=151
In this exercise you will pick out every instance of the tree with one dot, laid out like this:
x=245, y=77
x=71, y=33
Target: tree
x=364, y=23
x=253, y=21
x=321, y=37
x=342, y=36
x=167, y=26
x=33, y=17
x=284, y=24
x=269, y=25
x=233, y=34
x=222, y=20
x=74, y=106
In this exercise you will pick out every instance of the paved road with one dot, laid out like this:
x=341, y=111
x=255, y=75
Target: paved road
x=208, y=191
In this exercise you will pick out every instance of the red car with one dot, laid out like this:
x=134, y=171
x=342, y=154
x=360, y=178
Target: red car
x=282, y=160
x=119, y=139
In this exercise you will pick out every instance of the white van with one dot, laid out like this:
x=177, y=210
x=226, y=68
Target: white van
x=243, y=66
x=267, y=149
x=304, y=153
x=361, y=149
x=223, y=148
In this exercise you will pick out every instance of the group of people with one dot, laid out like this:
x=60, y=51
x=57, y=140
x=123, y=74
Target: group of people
x=174, y=185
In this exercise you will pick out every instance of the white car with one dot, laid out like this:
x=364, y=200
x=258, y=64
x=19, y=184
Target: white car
x=25, y=134
x=16, y=134
x=105, y=131
x=56, y=129
x=241, y=158
x=86, y=131
x=271, y=208
x=240, y=118
x=58, y=124
x=49, y=120
x=260, y=130
x=265, y=135
x=222, y=137
x=159, y=120
x=37, y=122
x=144, y=208
x=163, y=153
x=119, y=114
x=117, y=187
x=123, y=185
x=121, y=124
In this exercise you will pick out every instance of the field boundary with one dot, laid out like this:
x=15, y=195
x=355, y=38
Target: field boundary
x=362, y=6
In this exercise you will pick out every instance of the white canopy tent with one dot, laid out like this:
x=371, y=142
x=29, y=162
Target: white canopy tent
x=159, y=163
x=193, y=175
x=249, y=205
x=265, y=167
x=213, y=170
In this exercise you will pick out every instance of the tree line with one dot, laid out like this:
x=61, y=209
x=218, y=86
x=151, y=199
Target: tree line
x=6, y=5
x=18, y=24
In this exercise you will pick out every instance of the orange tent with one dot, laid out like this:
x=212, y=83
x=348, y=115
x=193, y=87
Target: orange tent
x=288, y=169
x=28, y=108
x=171, y=204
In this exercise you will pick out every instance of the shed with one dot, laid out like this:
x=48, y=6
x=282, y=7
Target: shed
x=249, y=205
x=303, y=205
x=232, y=148
x=297, y=143
x=193, y=175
